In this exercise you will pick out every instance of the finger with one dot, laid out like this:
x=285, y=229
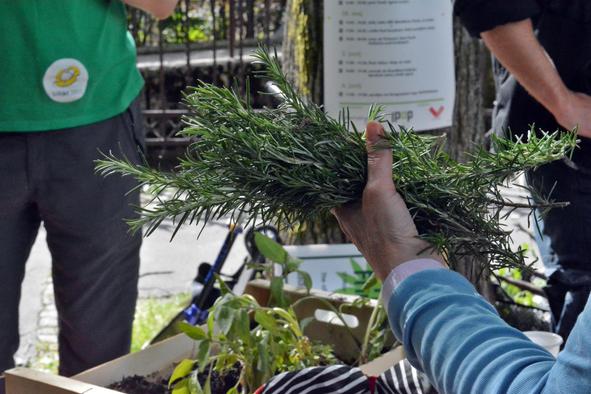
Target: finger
x=379, y=160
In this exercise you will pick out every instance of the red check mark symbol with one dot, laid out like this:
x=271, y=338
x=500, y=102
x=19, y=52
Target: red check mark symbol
x=436, y=112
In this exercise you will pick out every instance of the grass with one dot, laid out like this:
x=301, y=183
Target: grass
x=45, y=358
x=152, y=314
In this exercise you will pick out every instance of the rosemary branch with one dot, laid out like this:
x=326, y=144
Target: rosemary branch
x=292, y=164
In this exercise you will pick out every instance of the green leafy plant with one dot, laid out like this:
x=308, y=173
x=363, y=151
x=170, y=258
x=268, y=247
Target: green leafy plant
x=276, y=254
x=262, y=340
x=228, y=341
x=368, y=288
x=361, y=283
x=519, y=295
x=275, y=344
x=293, y=164
x=177, y=30
x=151, y=315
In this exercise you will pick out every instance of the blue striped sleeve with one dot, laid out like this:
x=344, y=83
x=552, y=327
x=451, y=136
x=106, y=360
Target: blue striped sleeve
x=457, y=338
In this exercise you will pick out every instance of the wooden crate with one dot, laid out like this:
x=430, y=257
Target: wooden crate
x=159, y=359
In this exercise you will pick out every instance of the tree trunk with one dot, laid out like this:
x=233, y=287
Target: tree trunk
x=303, y=62
x=469, y=126
x=302, y=47
x=472, y=67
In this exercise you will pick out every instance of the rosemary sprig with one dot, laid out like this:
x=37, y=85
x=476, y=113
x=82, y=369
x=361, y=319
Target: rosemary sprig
x=294, y=163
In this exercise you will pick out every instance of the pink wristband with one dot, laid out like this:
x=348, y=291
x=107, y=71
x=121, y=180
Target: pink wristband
x=402, y=272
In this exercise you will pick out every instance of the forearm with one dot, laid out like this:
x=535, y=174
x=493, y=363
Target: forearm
x=459, y=341
x=517, y=48
x=160, y=9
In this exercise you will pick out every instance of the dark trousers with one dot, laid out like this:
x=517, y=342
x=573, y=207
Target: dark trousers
x=567, y=256
x=49, y=177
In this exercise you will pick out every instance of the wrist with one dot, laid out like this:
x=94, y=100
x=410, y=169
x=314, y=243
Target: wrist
x=559, y=103
x=396, y=255
x=403, y=271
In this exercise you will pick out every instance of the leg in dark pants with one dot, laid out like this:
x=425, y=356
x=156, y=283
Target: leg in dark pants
x=95, y=291
x=16, y=245
x=19, y=223
x=568, y=262
x=95, y=259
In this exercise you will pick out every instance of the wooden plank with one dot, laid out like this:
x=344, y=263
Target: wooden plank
x=27, y=381
x=160, y=357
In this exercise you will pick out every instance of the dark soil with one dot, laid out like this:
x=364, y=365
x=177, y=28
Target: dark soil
x=140, y=385
x=220, y=384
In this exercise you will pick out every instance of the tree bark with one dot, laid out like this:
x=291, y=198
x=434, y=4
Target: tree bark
x=472, y=71
x=302, y=52
x=303, y=62
x=469, y=127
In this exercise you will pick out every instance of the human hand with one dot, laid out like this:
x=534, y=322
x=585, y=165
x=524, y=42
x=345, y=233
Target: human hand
x=575, y=111
x=160, y=9
x=380, y=225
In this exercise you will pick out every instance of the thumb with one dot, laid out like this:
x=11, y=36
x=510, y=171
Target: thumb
x=379, y=159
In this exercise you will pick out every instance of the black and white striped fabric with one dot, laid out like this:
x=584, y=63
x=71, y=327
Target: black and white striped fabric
x=319, y=380
x=402, y=378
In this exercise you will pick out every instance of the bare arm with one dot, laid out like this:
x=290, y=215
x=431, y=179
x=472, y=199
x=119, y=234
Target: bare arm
x=516, y=47
x=160, y=9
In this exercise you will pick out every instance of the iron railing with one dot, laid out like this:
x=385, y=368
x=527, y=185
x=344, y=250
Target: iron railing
x=207, y=40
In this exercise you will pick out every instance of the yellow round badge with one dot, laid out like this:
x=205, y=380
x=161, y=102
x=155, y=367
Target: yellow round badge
x=65, y=80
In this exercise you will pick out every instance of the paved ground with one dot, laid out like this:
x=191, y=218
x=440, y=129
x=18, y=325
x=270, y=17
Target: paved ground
x=167, y=269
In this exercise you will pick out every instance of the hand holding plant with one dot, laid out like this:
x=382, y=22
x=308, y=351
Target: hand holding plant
x=380, y=225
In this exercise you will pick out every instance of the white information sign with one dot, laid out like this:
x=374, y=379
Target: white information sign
x=334, y=267
x=395, y=53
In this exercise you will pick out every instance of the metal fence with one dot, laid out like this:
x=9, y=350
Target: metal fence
x=207, y=40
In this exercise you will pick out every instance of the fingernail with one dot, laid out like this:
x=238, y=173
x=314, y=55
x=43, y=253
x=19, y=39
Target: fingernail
x=373, y=132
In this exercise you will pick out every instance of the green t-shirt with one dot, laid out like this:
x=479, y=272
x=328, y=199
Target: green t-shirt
x=64, y=63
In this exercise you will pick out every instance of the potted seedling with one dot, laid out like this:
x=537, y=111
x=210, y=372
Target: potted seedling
x=257, y=339
x=247, y=339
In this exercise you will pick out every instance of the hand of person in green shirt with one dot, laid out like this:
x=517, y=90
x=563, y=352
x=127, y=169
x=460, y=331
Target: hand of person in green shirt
x=160, y=9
